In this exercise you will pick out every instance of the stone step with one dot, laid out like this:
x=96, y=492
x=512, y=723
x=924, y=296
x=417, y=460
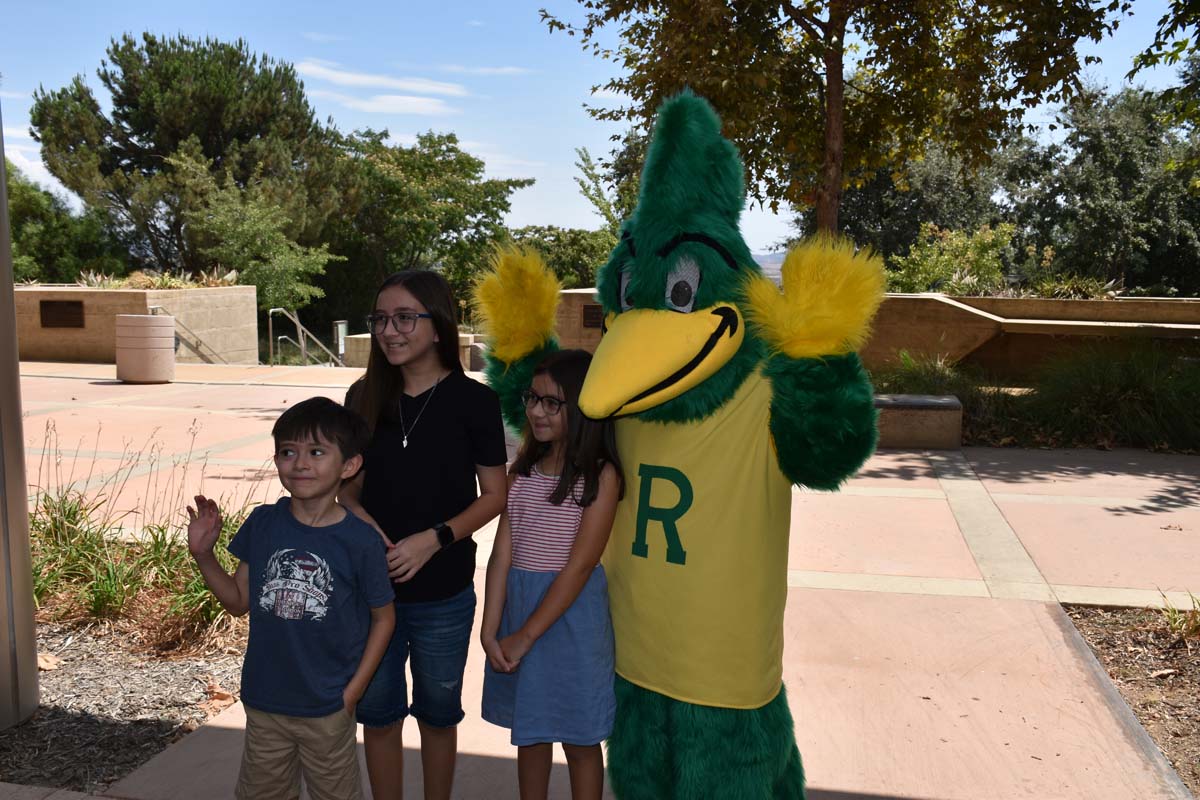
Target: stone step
x=924, y=421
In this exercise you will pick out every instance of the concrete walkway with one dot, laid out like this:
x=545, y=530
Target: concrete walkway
x=926, y=655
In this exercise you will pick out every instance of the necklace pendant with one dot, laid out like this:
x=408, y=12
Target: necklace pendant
x=404, y=442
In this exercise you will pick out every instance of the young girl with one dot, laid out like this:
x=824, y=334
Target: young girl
x=435, y=433
x=546, y=628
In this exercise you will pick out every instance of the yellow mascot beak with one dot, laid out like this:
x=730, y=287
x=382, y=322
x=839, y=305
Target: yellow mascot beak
x=648, y=357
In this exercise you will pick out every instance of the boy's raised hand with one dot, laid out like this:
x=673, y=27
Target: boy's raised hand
x=204, y=526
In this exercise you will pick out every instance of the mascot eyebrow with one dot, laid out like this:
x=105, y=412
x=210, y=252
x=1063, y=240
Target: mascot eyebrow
x=699, y=238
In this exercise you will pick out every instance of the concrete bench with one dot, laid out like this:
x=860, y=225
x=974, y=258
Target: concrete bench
x=919, y=421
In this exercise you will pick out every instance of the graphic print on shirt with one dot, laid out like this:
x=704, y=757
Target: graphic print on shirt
x=296, y=585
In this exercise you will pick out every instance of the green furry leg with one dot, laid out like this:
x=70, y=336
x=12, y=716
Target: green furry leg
x=639, y=754
x=662, y=748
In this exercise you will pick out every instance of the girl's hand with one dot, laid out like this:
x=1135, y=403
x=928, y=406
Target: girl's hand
x=515, y=646
x=495, y=655
x=204, y=526
x=408, y=555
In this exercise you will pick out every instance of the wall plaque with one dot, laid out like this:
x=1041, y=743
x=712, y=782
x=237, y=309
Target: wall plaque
x=61, y=313
x=593, y=316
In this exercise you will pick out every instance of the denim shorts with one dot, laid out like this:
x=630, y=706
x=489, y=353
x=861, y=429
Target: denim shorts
x=436, y=634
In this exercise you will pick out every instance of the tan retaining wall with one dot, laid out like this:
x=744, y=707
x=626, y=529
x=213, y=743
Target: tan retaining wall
x=1007, y=337
x=569, y=327
x=217, y=325
x=358, y=350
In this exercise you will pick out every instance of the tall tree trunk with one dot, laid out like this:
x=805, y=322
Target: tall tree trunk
x=829, y=190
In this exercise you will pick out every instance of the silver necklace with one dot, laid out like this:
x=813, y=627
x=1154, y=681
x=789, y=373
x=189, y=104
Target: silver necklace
x=406, y=431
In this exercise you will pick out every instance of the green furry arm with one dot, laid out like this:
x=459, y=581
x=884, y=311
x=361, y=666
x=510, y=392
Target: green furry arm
x=822, y=418
x=509, y=380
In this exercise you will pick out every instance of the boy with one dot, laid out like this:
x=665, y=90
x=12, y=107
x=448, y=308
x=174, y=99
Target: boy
x=309, y=572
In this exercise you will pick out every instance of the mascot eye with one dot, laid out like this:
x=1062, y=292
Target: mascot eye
x=682, y=283
x=626, y=300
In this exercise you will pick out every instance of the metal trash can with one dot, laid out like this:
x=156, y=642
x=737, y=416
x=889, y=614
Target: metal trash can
x=145, y=348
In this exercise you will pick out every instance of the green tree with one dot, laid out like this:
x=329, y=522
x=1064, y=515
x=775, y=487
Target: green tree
x=1175, y=42
x=52, y=245
x=427, y=206
x=818, y=90
x=886, y=211
x=612, y=188
x=205, y=100
x=573, y=253
x=591, y=186
x=1113, y=200
x=241, y=229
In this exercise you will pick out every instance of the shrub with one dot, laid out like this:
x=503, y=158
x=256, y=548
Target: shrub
x=1074, y=287
x=953, y=262
x=1115, y=395
x=1139, y=395
x=989, y=412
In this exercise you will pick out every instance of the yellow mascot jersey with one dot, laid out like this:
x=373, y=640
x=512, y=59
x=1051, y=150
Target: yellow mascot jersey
x=697, y=560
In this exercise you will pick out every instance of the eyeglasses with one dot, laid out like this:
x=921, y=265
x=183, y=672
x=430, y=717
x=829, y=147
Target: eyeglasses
x=551, y=405
x=403, y=322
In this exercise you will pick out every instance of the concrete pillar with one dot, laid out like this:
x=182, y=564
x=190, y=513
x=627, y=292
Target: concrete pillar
x=18, y=644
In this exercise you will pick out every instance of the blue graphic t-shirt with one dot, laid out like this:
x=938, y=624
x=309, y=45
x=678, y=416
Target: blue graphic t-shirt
x=311, y=591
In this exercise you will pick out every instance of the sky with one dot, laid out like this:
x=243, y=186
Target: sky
x=487, y=71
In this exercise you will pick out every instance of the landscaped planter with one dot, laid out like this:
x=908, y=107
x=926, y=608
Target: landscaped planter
x=217, y=325
x=1012, y=337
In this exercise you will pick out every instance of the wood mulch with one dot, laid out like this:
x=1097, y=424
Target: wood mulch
x=108, y=705
x=1157, y=673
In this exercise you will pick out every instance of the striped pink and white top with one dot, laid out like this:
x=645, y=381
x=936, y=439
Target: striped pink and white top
x=542, y=533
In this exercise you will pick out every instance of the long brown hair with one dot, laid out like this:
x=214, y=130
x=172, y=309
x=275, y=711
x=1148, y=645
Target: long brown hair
x=374, y=394
x=589, y=444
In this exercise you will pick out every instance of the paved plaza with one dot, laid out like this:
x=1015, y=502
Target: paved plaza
x=926, y=655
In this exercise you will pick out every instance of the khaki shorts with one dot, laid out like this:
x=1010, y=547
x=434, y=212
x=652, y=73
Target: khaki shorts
x=279, y=748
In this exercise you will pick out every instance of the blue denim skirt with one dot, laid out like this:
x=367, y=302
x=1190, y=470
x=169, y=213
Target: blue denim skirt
x=563, y=689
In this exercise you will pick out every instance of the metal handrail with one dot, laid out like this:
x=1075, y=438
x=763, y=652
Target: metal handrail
x=283, y=337
x=196, y=336
x=302, y=334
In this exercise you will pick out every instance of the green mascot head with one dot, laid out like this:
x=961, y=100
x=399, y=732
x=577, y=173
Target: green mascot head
x=676, y=344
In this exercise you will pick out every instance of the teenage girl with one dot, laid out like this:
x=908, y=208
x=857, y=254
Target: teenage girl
x=546, y=628
x=435, y=435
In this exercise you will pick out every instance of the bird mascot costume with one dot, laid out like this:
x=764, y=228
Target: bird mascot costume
x=727, y=391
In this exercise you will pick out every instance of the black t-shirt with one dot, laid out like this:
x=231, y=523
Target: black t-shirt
x=451, y=428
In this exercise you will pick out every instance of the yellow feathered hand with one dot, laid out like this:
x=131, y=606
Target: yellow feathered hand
x=830, y=293
x=516, y=301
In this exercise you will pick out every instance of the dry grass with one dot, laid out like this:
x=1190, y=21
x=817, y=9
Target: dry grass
x=129, y=568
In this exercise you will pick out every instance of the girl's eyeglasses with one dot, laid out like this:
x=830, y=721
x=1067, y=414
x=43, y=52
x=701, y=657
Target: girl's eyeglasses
x=403, y=322
x=551, y=405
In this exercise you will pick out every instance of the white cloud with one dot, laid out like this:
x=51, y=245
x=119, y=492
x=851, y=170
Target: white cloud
x=465, y=70
x=402, y=139
x=389, y=103
x=12, y=95
x=323, y=38
x=17, y=132
x=475, y=23
x=327, y=71
x=607, y=94
x=27, y=158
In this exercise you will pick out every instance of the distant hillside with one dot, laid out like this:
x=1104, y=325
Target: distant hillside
x=770, y=263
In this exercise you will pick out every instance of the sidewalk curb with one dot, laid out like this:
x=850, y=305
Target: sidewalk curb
x=1169, y=781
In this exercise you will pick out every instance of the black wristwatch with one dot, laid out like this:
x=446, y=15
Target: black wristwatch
x=445, y=535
